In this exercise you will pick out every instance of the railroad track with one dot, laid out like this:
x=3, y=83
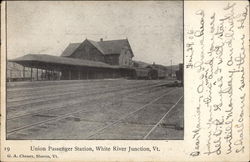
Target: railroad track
x=80, y=101
x=62, y=104
x=30, y=91
x=39, y=100
x=16, y=86
x=9, y=132
x=59, y=88
x=160, y=121
x=131, y=114
x=27, y=92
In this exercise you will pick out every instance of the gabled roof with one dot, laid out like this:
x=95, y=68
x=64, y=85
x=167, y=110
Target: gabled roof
x=44, y=58
x=96, y=44
x=113, y=46
x=70, y=49
x=105, y=47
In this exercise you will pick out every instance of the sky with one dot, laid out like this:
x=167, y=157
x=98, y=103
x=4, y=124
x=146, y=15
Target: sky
x=154, y=28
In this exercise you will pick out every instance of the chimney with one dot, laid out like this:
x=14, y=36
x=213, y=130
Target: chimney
x=101, y=39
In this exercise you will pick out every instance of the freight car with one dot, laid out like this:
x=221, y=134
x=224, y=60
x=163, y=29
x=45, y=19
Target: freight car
x=148, y=73
x=161, y=74
x=140, y=73
x=179, y=74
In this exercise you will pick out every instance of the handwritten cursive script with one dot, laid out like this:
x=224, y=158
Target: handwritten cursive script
x=215, y=56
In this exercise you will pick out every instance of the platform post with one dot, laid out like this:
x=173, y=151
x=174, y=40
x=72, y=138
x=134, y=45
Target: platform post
x=53, y=75
x=87, y=73
x=24, y=72
x=37, y=74
x=69, y=74
x=10, y=75
x=79, y=75
x=50, y=78
x=43, y=75
x=31, y=71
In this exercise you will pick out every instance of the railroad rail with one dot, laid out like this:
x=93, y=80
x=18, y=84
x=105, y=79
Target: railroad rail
x=164, y=116
x=9, y=132
x=81, y=102
x=74, y=94
x=128, y=115
x=58, y=88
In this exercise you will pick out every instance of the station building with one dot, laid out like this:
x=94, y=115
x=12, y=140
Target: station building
x=87, y=60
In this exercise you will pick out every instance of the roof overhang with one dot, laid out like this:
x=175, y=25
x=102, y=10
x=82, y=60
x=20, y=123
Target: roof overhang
x=43, y=61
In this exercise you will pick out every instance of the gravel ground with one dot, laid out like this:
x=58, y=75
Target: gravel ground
x=98, y=109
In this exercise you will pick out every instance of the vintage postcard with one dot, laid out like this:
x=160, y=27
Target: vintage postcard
x=125, y=81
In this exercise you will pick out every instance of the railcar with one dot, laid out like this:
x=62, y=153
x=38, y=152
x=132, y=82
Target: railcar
x=152, y=74
x=161, y=74
x=141, y=73
x=179, y=74
x=148, y=73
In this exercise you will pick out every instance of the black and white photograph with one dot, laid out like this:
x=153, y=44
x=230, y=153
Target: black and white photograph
x=94, y=70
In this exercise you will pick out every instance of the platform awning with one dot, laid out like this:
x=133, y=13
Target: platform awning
x=44, y=61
